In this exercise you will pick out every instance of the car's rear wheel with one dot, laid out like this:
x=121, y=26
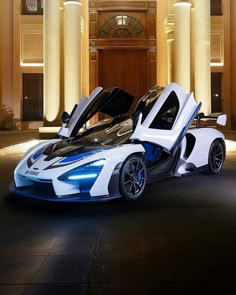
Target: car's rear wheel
x=133, y=176
x=216, y=157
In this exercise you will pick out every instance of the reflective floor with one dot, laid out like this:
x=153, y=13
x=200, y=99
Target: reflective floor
x=178, y=239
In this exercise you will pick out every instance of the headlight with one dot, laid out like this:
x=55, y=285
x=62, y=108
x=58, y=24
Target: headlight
x=85, y=175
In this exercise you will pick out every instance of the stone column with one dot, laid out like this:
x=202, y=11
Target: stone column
x=72, y=53
x=233, y=63
x=85, y=49
x=182, y=44
x=202, y=66
x=51, y=20
x=161, y=43
x=170, y=59
x=6, y=56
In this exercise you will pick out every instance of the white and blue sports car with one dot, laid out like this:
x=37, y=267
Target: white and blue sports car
x=118, y=156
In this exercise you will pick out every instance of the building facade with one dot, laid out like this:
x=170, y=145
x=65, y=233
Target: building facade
x=53, y=52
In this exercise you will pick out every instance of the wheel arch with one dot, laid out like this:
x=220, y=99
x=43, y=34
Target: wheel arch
x=216, y=157
x=205, y=136
x=138, y=154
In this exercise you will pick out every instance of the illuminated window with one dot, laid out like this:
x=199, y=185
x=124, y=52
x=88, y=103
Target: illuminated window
x=121, y=20
x=122, y=26
x=32, y=6
x=31, y=45
x=217, y=48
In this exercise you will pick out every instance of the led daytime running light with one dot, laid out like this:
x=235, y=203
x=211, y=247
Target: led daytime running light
x=98, y=163
x=88, y=171
x=82, y=176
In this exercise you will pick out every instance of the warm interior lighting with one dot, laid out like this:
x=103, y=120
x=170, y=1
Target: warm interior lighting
x=121, y=20
x=31, y=64
x=230, y=146
x=182, y=3
x=72, y=2
x=217, y=64
x=49, y=129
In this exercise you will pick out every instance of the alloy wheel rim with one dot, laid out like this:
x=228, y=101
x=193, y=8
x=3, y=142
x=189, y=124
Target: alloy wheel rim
x=217, y=157
x=134, y=177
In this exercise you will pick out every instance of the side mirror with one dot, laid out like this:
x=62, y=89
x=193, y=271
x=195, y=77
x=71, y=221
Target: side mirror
x=65, y=117
x=222, y=119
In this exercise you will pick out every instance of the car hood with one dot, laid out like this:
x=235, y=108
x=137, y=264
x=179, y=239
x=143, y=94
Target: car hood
x=112, y=102
x=61, y=153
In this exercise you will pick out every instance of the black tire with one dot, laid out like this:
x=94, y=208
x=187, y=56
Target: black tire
x=133, y=175
x=216, y=157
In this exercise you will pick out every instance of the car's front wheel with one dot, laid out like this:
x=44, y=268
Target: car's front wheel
x=133, y=176
x=216, y=157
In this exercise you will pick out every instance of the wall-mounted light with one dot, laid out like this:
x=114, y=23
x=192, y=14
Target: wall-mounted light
x=121, y=20
x=22, y=64
x=72, y=2
x=217, y=64
x=182, y=3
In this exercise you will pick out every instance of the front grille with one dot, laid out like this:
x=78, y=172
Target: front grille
x=40, y=190
x=45, y=191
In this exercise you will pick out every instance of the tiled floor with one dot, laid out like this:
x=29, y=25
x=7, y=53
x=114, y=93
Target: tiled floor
x=179, y=239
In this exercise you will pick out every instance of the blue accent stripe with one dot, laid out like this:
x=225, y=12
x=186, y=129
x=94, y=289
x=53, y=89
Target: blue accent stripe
x=81, y=156
x=38, y=154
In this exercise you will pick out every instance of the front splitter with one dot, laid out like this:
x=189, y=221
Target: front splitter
x=28, y=192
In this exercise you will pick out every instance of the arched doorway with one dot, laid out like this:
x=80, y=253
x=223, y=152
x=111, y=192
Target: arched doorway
x=123, y=45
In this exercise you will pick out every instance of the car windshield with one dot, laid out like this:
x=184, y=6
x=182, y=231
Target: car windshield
x=107, y=132
x=119, y=129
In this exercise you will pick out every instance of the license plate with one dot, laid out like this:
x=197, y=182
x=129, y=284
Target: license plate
x=35, y=173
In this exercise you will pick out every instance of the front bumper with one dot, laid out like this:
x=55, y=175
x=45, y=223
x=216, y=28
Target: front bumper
x=46, y=192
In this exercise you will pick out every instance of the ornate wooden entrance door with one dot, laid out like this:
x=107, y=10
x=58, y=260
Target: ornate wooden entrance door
x=122, y=44
x=126, y=69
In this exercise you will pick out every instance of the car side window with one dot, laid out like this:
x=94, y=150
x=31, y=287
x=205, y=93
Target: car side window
x=148, y=100
x=166, y=116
